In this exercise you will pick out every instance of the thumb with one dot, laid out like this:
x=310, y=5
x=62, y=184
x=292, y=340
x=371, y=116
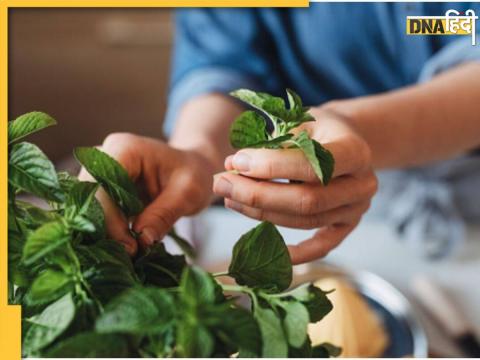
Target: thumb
x=158, y=217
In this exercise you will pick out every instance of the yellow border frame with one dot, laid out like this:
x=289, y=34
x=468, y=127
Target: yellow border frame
x=10, y=325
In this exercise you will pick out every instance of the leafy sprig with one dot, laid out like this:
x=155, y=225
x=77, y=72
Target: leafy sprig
x=250, y=129
x=83, y=296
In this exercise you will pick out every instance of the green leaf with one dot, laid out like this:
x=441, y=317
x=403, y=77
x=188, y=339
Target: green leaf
x=239, y=328
x=261, y=259
x=138, y=311
x=298, y=114
x=294, y=101
x=295, y=322
x=305, y=351
x=248, y=130
x=275, y=143
x=319, y=158
x=96, y=216
x=87, y=311
x=31, y=171
x=13, y=224
x=197, y=293
x=27, y=124
x=33, y=217
x=82, y=224
x=48, y=286
x=50, y=324
x=91, y=345
x=107, y=280
x=183, y=244
x=315, y=299
x=197, y=287
x=80, y=196
x=17, y=273
x=159, y=345
x=112, y=177
x=194, y=340
x=105, y=251
x=330, y=349
x=326, y=161
x=268, y=104
x=274, y=343
x=84, y=210
x=205, y=316
x=274, y=107
x=45, y=239
x=158, y=267
x=66, y=181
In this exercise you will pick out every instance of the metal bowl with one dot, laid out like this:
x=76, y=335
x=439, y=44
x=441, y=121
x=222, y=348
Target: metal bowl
x=406, y=335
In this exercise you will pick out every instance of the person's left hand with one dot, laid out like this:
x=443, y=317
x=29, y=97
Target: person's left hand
x=335, y=209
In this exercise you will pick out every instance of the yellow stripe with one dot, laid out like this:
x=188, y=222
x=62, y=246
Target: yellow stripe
x=158, y=3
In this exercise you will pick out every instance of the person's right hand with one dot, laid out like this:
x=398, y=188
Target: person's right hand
x=174, y=182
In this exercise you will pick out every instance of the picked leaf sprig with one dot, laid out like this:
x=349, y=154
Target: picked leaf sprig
x=250, y=129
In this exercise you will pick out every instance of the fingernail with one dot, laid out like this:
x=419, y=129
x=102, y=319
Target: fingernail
x=149, y=236
x=223, y=187
x=241, y=162
x=129, y=247
x=228, y=161
x=233, y=205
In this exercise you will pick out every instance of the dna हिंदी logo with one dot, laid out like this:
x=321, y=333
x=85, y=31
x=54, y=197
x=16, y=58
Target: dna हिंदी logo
x=453, y=23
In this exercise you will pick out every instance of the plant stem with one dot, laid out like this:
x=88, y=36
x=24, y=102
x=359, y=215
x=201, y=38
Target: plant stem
x=242, y=289
x=81, y=280
x=221, y=273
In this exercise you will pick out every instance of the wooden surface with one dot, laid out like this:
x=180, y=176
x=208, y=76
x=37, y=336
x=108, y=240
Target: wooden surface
x=95, y=70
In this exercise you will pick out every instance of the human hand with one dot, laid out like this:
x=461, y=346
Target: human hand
x=335, y=209
x=174, y=183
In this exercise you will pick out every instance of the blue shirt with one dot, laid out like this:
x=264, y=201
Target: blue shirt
x=324, y=52
x=336, y=51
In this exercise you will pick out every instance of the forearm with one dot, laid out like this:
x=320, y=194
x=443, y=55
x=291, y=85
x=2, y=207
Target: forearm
x=203, y=125
x=421, y=123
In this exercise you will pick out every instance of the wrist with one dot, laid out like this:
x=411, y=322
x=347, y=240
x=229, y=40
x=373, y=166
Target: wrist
x=333, y=119
x=365, y=116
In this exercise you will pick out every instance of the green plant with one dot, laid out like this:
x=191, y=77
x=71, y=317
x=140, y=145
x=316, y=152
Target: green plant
x=250, y=129
x=83, y=296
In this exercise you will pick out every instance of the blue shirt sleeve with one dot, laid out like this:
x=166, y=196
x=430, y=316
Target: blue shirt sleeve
x=453, y=54
x=218, y=50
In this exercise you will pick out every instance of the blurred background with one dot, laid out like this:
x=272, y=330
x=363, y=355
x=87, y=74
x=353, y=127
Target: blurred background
x=94, y=70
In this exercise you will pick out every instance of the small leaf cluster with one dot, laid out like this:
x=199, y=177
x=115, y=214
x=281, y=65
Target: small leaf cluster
x=251, y=129
x=83, y=296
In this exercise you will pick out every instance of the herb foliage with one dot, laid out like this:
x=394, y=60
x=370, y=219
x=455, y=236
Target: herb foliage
x=83, y=296
x=250, y=129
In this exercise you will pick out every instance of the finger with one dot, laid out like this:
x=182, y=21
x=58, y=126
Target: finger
x=123, y=147
x=343, y=215
x=273, y=164
x=158, y=217
x=116, y=224
x=83, y=175
x=350, y=155
x=322, y=242
x=297, y=199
